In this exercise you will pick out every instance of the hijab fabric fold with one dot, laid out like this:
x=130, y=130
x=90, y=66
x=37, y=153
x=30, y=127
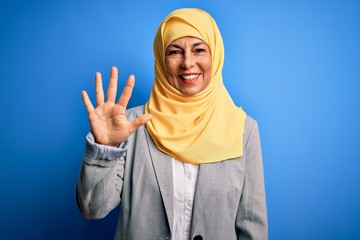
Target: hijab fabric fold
x=203, y=128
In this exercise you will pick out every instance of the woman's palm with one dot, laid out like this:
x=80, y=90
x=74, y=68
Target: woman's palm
x=108, y=120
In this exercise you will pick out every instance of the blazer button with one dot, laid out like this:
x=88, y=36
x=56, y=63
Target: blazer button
x=198, y=237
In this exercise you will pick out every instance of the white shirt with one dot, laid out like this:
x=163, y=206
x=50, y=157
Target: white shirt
x=184, y=178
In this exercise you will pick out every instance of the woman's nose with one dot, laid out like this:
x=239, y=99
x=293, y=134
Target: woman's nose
x=187, y=61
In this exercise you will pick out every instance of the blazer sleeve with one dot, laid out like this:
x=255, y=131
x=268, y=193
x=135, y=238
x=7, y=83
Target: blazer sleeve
x=101, y=178
x=251, y=221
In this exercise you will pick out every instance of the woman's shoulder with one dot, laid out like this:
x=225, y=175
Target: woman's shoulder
x=249, y=122
x=249, y=125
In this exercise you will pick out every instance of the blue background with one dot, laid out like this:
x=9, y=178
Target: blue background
x=293, y=65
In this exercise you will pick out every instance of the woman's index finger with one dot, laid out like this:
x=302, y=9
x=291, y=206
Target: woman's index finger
x=127, y=91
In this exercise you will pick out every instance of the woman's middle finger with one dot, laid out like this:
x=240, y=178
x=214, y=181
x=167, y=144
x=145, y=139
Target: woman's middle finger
x=112, y=89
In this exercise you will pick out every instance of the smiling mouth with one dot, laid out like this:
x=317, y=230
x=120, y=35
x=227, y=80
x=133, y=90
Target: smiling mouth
x=189, y=78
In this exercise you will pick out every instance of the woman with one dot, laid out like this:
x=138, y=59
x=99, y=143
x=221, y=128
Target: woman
x=188, y=164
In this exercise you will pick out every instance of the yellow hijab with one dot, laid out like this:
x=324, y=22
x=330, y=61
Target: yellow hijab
x=203, y=128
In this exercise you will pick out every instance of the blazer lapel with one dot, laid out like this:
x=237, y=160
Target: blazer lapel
x=206, y=183
x=162, y=164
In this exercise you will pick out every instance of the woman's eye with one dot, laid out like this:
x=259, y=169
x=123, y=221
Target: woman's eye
x=200, y=50
x=174, y=52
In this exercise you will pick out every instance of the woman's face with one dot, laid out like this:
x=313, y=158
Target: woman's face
x=188, y=65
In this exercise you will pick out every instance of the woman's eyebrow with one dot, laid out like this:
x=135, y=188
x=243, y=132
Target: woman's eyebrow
x=174, y=45
x=178, y=46
x=198, y=43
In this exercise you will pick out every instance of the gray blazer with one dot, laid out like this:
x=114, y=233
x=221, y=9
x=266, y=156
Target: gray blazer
x=229, y=200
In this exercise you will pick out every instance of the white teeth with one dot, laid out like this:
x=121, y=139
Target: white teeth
x=189, y=77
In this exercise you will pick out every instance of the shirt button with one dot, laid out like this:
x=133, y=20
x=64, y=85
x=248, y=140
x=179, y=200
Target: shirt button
x=188, y=176
x=198, y=237
x=188, y=203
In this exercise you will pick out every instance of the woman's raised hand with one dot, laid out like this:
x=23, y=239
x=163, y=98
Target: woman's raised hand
x=108, y=120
